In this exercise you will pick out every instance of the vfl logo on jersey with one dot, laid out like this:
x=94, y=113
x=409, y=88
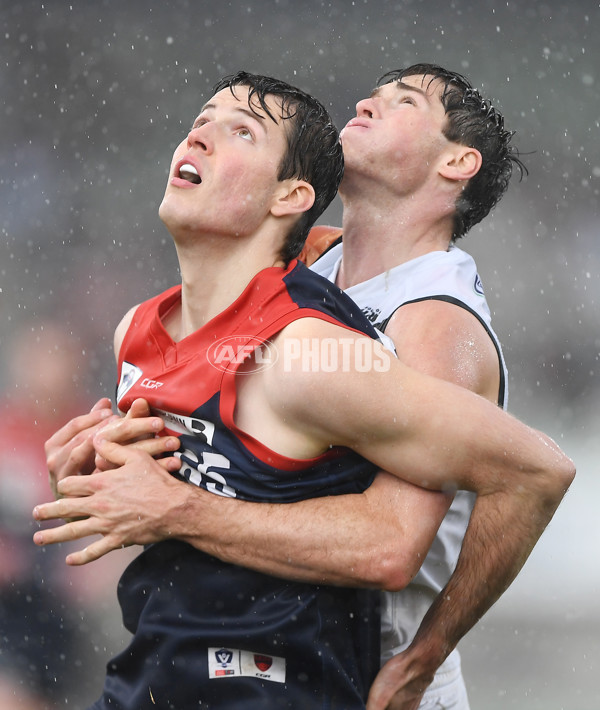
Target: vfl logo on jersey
x=231, y=662
x=227, y=353
x=478, y=286
x=224, y=657
x=130, y=374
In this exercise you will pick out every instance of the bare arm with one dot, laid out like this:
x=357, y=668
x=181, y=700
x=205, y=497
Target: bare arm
x=334, y=539
x=381, y=536
x=272, y=538
x=491, y=555
x=429, y=432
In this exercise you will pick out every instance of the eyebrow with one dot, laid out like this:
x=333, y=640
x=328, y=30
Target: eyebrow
x=401, y=86
x=248, y=112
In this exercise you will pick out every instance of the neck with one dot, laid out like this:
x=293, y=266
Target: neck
x=381, y=232
x=214, y=273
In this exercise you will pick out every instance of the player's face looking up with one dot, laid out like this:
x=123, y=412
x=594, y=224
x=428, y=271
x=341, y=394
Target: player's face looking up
x=397, y=132
x=223, y=176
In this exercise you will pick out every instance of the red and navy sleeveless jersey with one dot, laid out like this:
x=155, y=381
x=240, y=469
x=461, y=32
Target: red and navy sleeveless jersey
x=211, y=634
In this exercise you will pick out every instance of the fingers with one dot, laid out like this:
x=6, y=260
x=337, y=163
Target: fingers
x=127, y=430
x=63, y=508
x=72, y=460
x=137, y=433
x=159, y=445
x=102, y=464
x=153, y=447
x=385, y=685
x=377, y=701
x=115, y=454
x=74, y=433
x=102, y=403
x=119, y=455
x=79, y=425
x=139, y=408
x=92, y=552
x=74, y=530
x=69, y=451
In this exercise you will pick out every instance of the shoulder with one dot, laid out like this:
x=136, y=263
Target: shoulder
x=121, y=329
x=145, y=310
x=444, y=340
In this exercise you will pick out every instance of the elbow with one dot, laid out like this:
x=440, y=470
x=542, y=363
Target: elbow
x=557, y=481
x=393, y=571
x=564, y=476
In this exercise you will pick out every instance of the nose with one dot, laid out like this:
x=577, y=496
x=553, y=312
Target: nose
x=366, y=108
x=201, y=137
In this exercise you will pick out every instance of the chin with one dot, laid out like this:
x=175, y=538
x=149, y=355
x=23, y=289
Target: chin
x=164, y=205
x=169, y=213
x=171, y=220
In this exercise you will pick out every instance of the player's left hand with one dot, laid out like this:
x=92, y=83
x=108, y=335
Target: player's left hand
x=124, y=505
x=398, y=686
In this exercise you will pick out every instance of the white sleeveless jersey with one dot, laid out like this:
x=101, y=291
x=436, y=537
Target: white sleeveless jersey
x=448, y=276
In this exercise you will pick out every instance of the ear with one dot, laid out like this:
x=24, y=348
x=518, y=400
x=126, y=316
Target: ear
x=461, y=164
x=293, y=197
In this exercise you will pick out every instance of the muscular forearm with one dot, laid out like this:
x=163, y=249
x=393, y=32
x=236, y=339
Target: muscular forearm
x=376, y=539
x=502, y=532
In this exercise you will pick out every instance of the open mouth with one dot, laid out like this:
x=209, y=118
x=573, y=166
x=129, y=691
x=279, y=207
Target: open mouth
x=188, y=172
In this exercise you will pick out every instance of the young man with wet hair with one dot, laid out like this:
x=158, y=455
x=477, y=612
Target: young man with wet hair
x=430, y=433
x=427, y=296
x=470, y=120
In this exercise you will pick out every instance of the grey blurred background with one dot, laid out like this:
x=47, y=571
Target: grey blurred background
x=94, y=97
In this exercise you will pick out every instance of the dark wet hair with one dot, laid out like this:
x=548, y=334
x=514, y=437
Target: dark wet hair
x=471, y=120
x=313, y=152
